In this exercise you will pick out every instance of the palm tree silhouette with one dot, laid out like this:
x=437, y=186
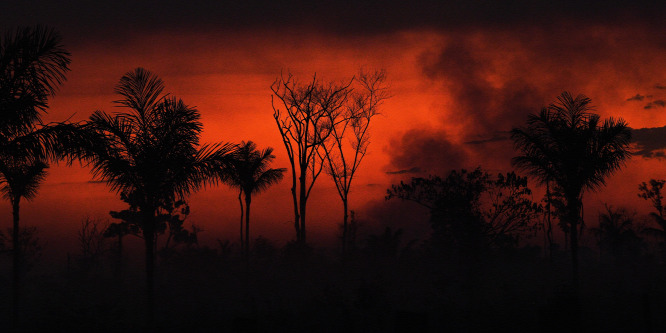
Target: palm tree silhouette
x=152, y=153
x=19, y=178
x=33, y=63
x=567, y=144
x=250, y=173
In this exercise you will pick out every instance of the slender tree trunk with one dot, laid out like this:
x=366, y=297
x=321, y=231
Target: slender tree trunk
x=17, y=257
x=297, y=218
x=240, y=200
x=119, y=254
x=248, y=200
x=574, y=251
x=574, y=214
x=303, y=240
x=168, y=240
x=120, y=246
x=573, y=203
x=302, y=205
x=549, y=227
x=345, y=226
x=149, y=237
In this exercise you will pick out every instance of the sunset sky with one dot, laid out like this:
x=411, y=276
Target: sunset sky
x=461, y=75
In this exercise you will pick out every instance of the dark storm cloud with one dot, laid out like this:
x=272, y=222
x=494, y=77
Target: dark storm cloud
x=652, y=104
x=650, y=142
x=497, y=137
x=465, y=66
x=413, y=170
x=638, y=97
x=82, y=19
x=424, y=151
x=492, y=79
x=480, y=104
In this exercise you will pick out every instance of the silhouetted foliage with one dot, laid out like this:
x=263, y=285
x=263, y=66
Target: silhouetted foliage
x=33, y=63
x=152, y=154
x=617, y=234
x=470, y=211
x=653, y=193
x=264, y=248
x=31, y=246
x=92, y=242
x=343, y=151
x=250, y=173
x=305, y=114
x=171, y=217
x=226, y=248
x=387, y=244
x=351, y=232
x=569, y=145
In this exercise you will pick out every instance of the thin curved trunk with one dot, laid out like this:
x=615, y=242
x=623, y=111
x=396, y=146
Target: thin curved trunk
x=573, y=215
x=248, y=200
x=302, y=206
x=149, y=238
x=549, y=227
x=240, y=200
x=297, y=218
x=119, y=258
x=16, y=244
x=345, y=227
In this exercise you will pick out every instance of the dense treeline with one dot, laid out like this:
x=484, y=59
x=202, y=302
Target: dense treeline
x=475, y=271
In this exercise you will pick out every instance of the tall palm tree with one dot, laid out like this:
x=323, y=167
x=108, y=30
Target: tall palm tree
x=569, y=145
x=19, y=178
x=152, y=153
x=250, y=173
x=33, y=63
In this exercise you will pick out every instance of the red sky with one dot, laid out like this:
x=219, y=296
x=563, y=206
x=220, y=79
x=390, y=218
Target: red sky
x=459, y=75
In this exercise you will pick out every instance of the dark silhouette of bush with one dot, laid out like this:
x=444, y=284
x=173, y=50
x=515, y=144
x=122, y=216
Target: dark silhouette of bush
x=472, y=212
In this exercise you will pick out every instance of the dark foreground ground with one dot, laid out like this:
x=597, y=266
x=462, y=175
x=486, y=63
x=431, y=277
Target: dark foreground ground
x=213, y=290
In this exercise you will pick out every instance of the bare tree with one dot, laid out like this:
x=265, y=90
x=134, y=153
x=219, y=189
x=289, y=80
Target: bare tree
x=91, y=240
x=303, y=114
x=349, y=139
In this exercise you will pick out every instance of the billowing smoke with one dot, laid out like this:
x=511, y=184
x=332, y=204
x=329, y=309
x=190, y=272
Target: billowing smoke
x=491, y=80
x=421, y=152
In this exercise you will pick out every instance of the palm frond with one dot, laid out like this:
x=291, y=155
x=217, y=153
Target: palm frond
x=268, y=178
x=565, y=143
x=250, y=170
x=33, y=61
x=21, y=177
x=141, y=90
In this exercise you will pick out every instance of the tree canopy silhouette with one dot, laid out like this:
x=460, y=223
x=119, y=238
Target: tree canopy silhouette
x=152, y=153
x=617, y=234
x=33, y=64
x=472, y=211
x=653, y=191
x=303, y=114
x=569, y=145
x=251, y=174
x=348, y=143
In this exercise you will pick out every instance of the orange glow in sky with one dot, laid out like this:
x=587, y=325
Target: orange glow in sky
x=448, y=89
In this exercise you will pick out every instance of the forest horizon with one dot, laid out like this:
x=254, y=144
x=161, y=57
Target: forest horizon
x=320, y=166
x=453, y=103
